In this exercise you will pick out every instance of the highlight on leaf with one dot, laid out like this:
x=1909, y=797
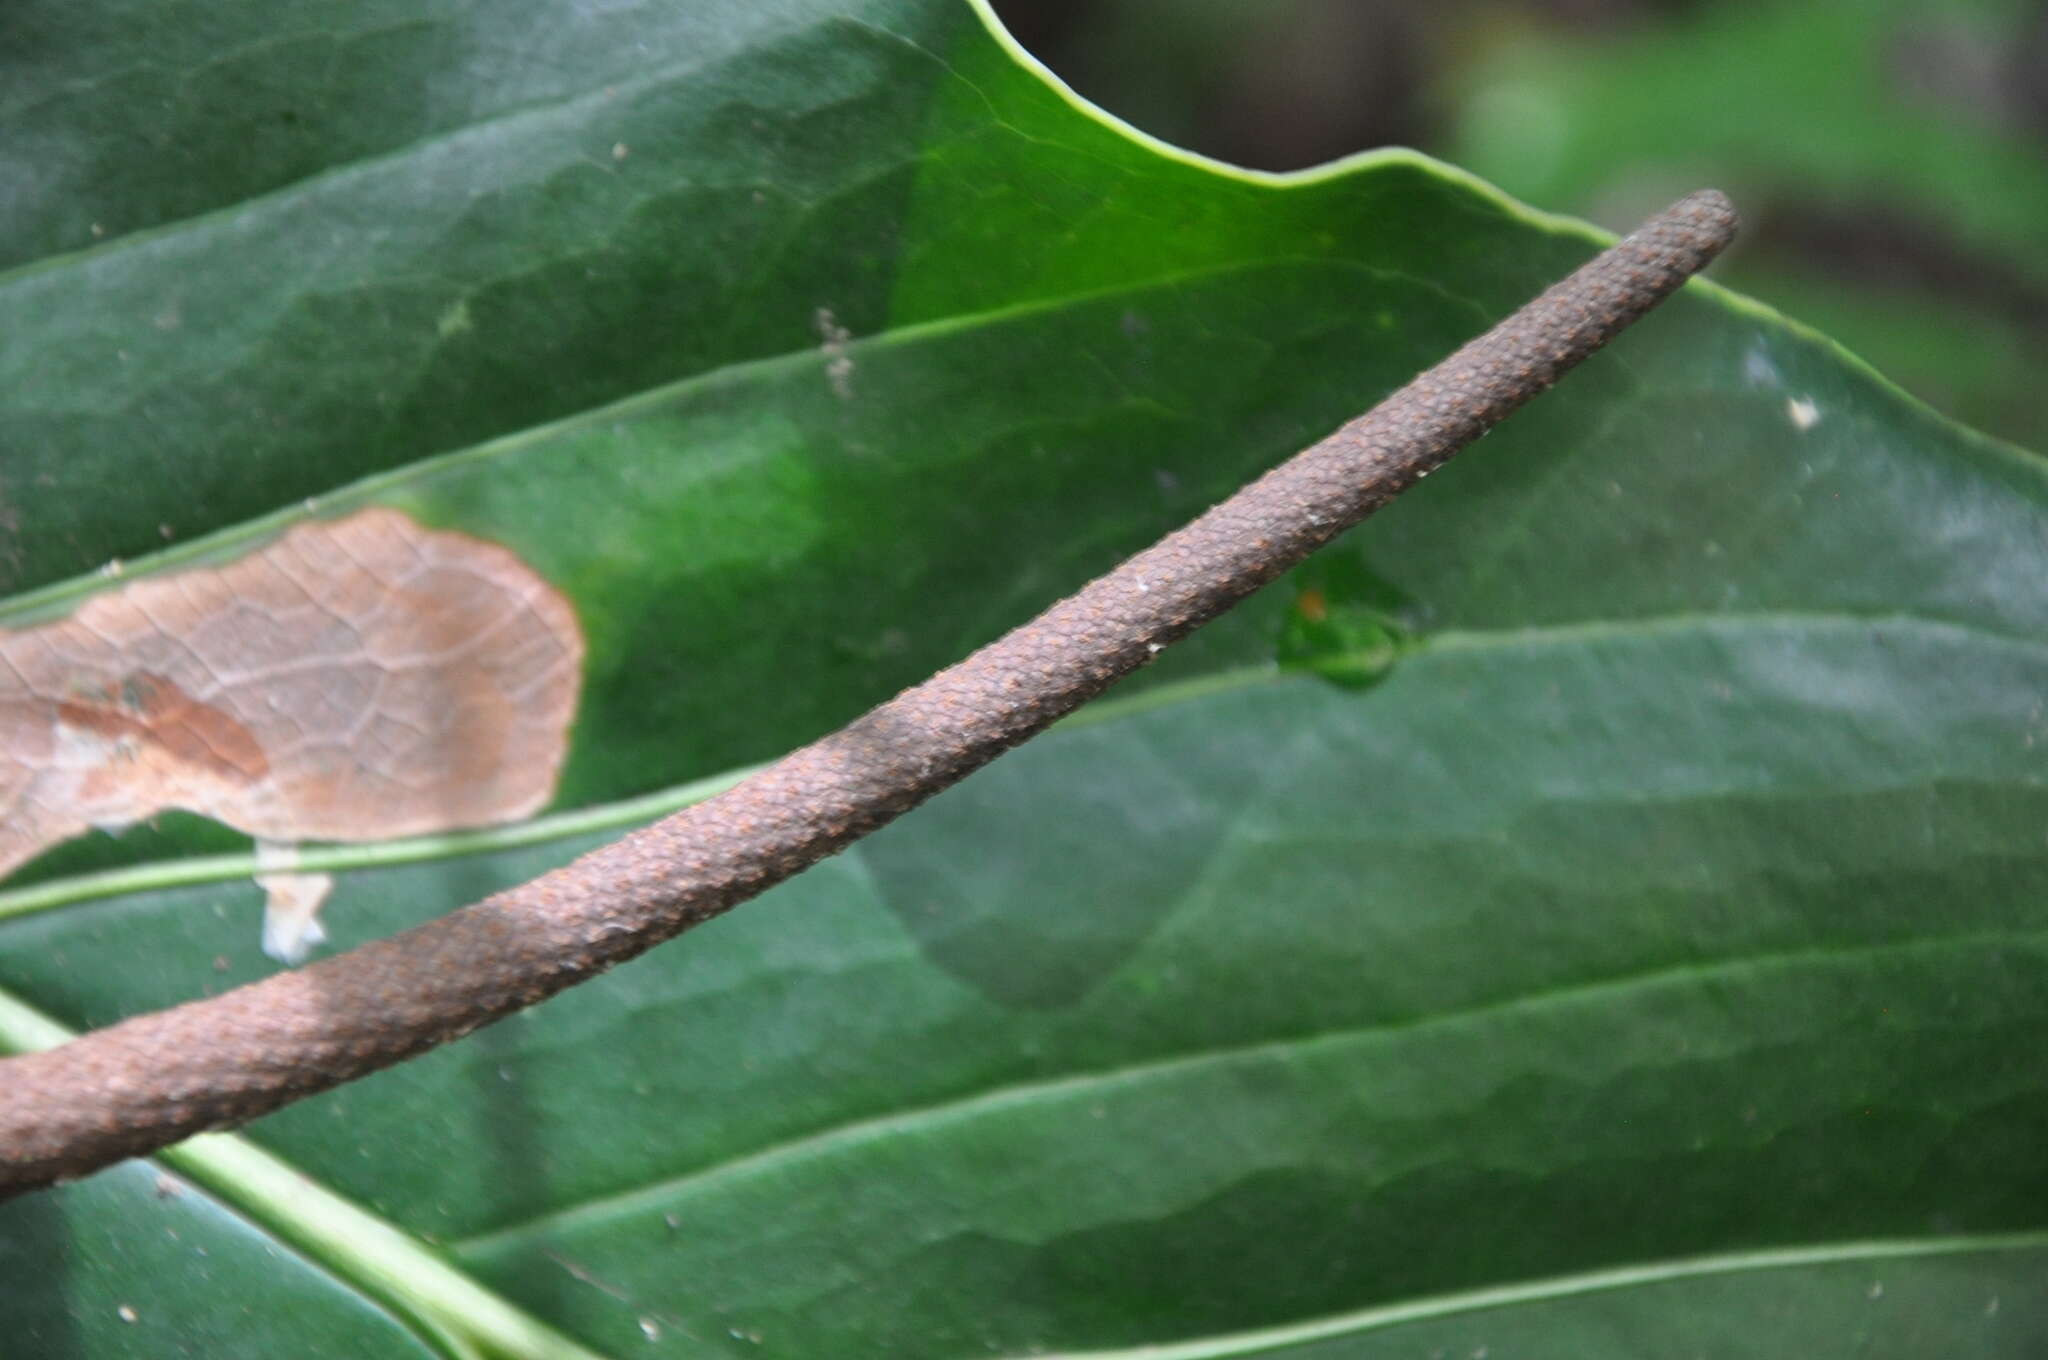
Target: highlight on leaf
x=354, y=679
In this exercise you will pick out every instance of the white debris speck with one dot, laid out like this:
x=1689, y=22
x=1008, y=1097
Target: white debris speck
x=838, y=364
x=125, y=1313
x=650, y=1329
x=620, y=151
x=1155, y=647
x=1802, y=412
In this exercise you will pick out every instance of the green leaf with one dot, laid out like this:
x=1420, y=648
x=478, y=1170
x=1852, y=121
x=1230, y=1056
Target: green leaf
x=138, y=1262
x=1650, y=959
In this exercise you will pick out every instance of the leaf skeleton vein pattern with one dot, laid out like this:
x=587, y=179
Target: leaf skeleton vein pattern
x=354, y=679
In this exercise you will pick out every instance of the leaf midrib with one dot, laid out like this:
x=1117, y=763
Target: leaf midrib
x=441, y=1305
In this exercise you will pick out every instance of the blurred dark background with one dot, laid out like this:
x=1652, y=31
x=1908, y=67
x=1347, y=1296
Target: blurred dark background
x=1890, y=156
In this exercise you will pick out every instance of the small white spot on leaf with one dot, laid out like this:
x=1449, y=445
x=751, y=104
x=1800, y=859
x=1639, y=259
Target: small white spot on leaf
x=291, y=902
x=1802, y=412
x=834, y=339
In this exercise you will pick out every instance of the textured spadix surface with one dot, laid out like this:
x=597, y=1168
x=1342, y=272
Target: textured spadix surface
x=1660, y=940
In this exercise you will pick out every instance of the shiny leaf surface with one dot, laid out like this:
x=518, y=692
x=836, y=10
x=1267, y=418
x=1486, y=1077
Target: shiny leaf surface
x=1649, y=958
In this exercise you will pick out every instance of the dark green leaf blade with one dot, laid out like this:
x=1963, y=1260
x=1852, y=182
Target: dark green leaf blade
x=139, y=1262
x=1676, y=893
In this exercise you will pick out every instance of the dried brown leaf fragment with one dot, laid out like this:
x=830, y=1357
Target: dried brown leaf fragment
x=354, y=679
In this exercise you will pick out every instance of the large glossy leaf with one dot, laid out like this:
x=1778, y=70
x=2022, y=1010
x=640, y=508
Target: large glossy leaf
x=1642, y=951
